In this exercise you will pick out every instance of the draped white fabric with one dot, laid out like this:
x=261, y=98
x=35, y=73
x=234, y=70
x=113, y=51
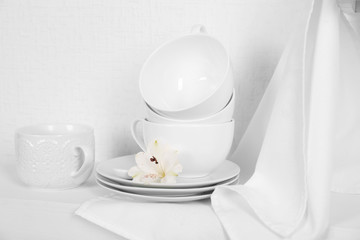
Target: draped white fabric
x=291, y=136
x=346, y=176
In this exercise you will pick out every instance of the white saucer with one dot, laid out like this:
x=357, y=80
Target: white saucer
x=116, y=169
x=156, y=198
x=163, y=191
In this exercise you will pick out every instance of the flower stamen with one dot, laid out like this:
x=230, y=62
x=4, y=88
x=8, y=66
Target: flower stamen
x=153, y=159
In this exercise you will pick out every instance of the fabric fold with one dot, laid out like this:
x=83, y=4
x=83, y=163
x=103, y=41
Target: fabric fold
x=346, y=177
x=150, y=220
x=289, y=138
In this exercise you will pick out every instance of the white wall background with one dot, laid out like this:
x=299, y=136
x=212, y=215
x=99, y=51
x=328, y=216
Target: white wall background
x=79, y=60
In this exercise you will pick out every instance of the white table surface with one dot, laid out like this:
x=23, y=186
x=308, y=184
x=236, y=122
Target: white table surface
x=27, y=213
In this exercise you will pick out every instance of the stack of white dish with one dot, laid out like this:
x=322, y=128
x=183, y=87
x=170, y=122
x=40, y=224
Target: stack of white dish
x=112, y=175
x=187, y=87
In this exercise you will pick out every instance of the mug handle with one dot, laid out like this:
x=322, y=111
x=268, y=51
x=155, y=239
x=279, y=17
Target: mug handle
x=198, y=28
x=139, y=142
x=88, y=157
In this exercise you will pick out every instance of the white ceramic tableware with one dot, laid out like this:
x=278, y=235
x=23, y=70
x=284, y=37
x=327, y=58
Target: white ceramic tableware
x=202, y=147
x=149, y=198
x=56, y=156
x=164, y=191
x=225, y=115
x=188, y=78
x=116, y=168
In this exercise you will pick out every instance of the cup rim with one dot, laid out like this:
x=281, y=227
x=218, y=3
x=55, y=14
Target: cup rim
x=164, y=117
x=232, y=121
x=227, y=69
x=29, y=129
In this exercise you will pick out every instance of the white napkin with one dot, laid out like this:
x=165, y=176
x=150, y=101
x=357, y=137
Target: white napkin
x=144, y=220
x=346, y=176
x=291, y=138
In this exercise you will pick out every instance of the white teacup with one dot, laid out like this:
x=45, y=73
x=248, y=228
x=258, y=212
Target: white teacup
x=202, y=147
x=225, y=115
x=188, y=78
x=56, y=156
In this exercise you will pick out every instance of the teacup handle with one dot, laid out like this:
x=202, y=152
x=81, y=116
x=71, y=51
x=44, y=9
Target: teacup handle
x=88, y=163
x=138, y=140
x=198, y=28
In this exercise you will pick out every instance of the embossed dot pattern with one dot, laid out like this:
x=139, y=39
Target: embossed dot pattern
x=51, y=162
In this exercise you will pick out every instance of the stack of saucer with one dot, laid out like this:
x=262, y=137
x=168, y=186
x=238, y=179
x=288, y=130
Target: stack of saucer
x=112, y=175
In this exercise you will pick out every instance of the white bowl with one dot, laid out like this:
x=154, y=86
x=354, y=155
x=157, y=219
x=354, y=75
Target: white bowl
x=202, y=147
x=187, y=78
x=225, y=115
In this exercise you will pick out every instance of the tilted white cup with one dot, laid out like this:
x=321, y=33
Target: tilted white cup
x=188, y=78
x=58, y=156
x=202, y=147
x=225, y=115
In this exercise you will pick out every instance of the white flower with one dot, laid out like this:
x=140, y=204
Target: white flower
x=158, y=164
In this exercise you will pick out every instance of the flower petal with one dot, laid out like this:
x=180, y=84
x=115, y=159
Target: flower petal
x=177, y=168
x=170, y=162
x=144, y=164
x=150, y=178
x=155, y=148
x=138, y=178
x=134, y=171
x=168, y=179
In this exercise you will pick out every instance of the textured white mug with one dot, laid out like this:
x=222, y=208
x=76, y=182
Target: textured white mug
x=56, y=156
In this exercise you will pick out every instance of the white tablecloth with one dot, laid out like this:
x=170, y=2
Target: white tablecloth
x=27, y=213
x=34, y=214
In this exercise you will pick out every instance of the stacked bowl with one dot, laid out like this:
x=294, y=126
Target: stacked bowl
x=187, y=87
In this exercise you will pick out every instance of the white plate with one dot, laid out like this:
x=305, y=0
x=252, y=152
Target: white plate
x=116, y=170
x=155, y=198
x=163, y=191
